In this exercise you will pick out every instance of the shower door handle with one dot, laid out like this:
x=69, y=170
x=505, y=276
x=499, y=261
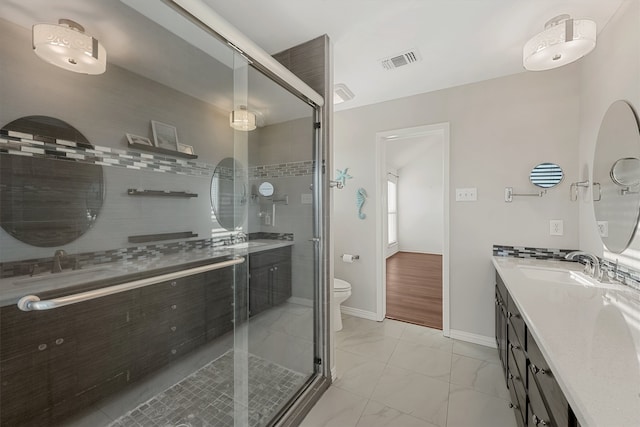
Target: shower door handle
x=33, y=303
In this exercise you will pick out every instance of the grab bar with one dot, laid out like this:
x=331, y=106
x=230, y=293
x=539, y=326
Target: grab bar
x=32, y=302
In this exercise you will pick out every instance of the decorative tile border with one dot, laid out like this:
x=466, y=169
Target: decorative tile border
x=528, y=252
x=282, y=170
x=624, y=275
x=133, y=256
x=20, y=144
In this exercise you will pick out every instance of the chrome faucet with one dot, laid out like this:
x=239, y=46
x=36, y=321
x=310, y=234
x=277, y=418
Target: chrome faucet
x=57, y=257
x=593, y=270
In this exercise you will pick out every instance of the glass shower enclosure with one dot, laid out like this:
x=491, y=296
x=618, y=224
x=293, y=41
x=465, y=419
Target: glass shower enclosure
x=159, y=260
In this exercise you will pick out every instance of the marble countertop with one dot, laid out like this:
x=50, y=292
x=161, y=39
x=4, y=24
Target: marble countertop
x=101, y=275
x=590, y=337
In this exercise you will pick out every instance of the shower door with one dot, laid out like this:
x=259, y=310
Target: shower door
x=157, y=265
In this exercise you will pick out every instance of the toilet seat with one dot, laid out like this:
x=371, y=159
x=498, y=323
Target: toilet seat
x=340, y=285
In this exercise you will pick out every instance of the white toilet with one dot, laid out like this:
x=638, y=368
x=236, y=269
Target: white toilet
x=341, y=291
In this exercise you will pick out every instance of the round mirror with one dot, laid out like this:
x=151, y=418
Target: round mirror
x=47, y=202
x=546, y=175
x=229, y=194
x=266, y=189
x=616, y=177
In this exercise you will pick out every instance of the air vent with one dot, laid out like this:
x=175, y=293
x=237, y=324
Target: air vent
x=405, y=58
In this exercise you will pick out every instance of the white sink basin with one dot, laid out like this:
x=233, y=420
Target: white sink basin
x=569, y=277
x=245, y=245
x=69, y=276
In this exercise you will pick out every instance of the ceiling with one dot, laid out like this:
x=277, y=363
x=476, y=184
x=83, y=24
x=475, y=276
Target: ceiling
x=460, y=41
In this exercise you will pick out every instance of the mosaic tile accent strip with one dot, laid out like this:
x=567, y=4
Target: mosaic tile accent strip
x=135, y=256
x=304, y=168
x=527, y=252
x=99, y=155
x=623, y=274
x=205, y=398
x=21, y=144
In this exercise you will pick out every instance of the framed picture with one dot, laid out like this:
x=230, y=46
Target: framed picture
x=184, y=148
x=136, y=139
x=164, y=135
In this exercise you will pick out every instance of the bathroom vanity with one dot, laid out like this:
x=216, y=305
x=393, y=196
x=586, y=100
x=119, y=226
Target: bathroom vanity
x=75, y=355
x=570, y=346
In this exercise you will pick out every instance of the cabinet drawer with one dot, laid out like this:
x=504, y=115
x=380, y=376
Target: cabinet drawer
x=516, y=322
x=516, y=352
x=540, y=373
x=537, y=412
x=273, y=256
x=518, y=406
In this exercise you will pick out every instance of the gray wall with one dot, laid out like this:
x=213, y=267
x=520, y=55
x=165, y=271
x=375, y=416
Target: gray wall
x=499, y=130
x=104, y=108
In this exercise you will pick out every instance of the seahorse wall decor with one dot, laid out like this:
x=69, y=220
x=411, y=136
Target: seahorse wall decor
x=361, y=197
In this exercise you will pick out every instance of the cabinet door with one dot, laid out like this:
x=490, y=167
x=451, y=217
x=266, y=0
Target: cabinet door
x=259, y=289
x=281, y=281
x=219, y=297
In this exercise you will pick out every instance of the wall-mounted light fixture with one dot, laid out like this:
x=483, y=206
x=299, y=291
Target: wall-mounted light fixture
x=563, y=41
x=242, y=119
x=67, y=46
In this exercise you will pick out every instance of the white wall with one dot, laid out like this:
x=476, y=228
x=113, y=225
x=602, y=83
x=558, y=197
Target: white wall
x=500, y=129
x=420, y=210
x=611, y=72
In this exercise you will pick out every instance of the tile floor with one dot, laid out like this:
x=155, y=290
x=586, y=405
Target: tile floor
x=401, y=375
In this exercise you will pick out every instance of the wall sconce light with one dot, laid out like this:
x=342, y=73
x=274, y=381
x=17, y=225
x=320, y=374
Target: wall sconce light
x=563, y=41
x=67, y=46
x=242, y=119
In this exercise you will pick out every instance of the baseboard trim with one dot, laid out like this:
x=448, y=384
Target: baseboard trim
x=473, y=338
x=301, y=301
x=356, y=312
x=334, y=374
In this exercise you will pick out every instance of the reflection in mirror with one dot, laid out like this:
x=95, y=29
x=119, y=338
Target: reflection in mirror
x=546, y=175
x=229, y=193
x=266, y=189
x=616, y=176
x=47, y=202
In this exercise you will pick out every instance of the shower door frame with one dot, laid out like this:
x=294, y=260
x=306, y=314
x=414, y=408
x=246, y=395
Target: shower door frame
x=202, y=16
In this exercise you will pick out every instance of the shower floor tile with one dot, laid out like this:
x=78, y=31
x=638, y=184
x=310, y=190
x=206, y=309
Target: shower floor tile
x=205, y=398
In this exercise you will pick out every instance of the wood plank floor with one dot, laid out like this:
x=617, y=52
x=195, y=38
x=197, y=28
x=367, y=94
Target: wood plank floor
x=414, y=288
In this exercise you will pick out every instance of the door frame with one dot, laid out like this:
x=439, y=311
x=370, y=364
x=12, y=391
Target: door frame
x=382, y=138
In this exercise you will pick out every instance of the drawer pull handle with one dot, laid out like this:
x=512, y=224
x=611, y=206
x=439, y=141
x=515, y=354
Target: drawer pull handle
x=537, y=370
x=514, y=347
x=510, y=315
x=173, y=307
x=42, y=347
x=173, y=329
x=174, y=283
x=174, y=351
x=539, y=421
x=59, y=341
x=513, y=377
x=512, y=406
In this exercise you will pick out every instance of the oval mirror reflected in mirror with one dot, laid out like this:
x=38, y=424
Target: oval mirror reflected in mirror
x=616, y=176
x=266, y=189
x=229, y=194
x=47, y=202
x=546, y=175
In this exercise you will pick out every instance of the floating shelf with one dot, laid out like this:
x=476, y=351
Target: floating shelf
x=159, y=193
x=158, y=150
x=143, y=238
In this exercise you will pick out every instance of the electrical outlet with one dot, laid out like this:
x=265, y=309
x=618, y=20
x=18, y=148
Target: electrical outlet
x=466, y=194
x=556, y=227
x=306, y=199
x=603, y=228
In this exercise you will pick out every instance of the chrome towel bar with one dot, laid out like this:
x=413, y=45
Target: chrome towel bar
x=32, y=302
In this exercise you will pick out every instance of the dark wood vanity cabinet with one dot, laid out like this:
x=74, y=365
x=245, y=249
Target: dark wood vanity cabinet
x=535, y=395
x=269, y=279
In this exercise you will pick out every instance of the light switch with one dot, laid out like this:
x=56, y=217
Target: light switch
x=466, y=194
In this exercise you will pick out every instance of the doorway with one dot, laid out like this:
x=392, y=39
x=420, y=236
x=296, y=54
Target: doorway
x=413, y=231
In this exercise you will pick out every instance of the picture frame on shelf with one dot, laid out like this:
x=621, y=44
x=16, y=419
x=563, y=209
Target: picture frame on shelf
x=184, y=148
x=137, y=139
x=164, y=135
